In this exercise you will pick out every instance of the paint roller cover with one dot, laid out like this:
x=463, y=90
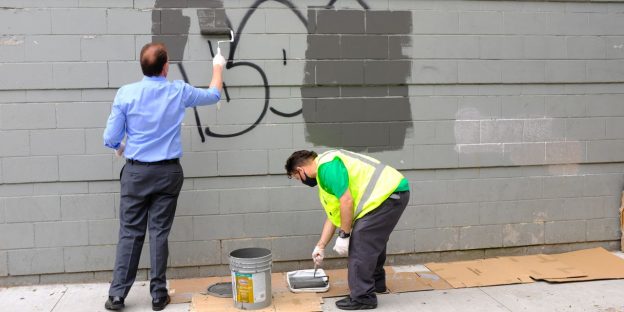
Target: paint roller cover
x=303, y=279
x=216, y=32
x=213, y=22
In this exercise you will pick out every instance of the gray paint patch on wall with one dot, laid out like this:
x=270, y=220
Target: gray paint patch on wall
x=171, y=27
x=355, y=92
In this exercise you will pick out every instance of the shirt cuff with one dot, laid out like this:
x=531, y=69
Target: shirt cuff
x=113, y=146
x=215, y=92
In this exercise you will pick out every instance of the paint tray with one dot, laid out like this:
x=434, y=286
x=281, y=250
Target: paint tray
x=306, y=281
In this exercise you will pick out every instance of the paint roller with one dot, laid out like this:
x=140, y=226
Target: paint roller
x=207, y=30
x=306, y=280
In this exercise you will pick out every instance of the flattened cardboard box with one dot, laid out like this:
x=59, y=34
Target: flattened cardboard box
x=542, y=267
x=284, y=300
x=582, y=265
x=433, y=280
x=338, y=284
x=397, y=282
x=400, y=282
x=182, y=290
x=597, y=263
x=503, y=271
x=476, y=273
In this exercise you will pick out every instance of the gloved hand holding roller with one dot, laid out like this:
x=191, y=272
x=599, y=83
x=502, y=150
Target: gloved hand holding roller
x=318, y=255
x=218, y=59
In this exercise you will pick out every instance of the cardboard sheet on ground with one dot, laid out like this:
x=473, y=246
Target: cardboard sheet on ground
x=433, y=280
x=475, y=273
x=283, y=299
x=399, y=282
x=182, y=290
x=503, y=271
x=597, y=263
x=282, y=302
x=541, y=267
x=582, y=265
x=338, y=284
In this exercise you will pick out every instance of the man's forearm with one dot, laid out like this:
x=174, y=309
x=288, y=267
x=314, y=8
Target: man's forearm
x=217, y=77
x=346, y=216
x=327, y=234
x=346, y=211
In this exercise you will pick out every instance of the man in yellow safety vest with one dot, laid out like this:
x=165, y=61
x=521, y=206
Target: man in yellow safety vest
x=364, y=199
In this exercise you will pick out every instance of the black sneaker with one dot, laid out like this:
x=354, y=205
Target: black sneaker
x=114, y=303
x=350, y=304
x=159, y=304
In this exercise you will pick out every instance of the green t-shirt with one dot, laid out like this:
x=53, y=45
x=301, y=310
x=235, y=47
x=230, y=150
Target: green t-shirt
x=334, y=179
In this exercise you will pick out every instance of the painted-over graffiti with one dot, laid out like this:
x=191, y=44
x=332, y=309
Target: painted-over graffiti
x=232, y=62
x=351, y=106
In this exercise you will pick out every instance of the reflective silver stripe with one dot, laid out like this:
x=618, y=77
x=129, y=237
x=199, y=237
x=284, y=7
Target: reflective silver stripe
x=360, y=157
x=379, y=167
x=325, y=154
x=369, y=190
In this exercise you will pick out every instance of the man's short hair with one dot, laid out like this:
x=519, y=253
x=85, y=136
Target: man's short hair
x=297, y=159
x=152, y=63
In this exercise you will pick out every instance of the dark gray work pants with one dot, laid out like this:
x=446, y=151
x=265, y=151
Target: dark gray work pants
x=367, y=248
x=149, y=195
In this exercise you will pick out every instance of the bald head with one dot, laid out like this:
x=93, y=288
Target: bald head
x=153, y=59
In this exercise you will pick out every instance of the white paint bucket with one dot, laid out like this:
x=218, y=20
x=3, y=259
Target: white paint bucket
x=251, y=278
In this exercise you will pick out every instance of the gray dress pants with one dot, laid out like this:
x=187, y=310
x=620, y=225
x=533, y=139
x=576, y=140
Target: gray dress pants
x=367, y=248
x=149, y=195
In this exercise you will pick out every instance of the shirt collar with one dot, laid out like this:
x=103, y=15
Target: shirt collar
x=154, y=78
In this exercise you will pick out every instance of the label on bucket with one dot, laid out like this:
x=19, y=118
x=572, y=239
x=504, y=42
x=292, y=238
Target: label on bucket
x=244, y=287
x=249, y=288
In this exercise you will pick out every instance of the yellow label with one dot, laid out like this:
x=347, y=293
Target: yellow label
x=244, y=288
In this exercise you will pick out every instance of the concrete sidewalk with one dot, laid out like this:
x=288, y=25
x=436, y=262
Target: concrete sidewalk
x=602, y=296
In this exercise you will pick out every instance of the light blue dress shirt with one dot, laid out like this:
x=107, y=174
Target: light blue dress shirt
x=150, y=113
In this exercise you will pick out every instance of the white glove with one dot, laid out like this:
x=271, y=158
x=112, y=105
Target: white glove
x=342, y=246
x=218, y=59
x=318, y=255
x=120, y=150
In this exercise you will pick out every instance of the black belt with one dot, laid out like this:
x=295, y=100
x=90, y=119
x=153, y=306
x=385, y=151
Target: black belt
x=161, y=162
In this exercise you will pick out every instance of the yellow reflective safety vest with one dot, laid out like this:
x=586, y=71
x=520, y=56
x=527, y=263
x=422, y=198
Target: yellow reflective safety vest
x=370, y=183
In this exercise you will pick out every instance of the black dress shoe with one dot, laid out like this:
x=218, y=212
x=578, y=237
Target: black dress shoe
x=350, y=304
x=159, y=304
x=114, y=303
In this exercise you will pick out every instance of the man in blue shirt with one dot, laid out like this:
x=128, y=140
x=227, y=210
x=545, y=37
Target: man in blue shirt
x=149, y=115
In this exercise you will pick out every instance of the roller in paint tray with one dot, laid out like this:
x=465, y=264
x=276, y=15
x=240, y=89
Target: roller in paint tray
x=308, y=280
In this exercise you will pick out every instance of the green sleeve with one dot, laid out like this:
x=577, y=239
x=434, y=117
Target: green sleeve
x=333, y=177
x=403, y=186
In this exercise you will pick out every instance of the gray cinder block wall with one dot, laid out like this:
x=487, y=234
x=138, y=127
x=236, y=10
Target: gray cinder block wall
x=506, y=116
